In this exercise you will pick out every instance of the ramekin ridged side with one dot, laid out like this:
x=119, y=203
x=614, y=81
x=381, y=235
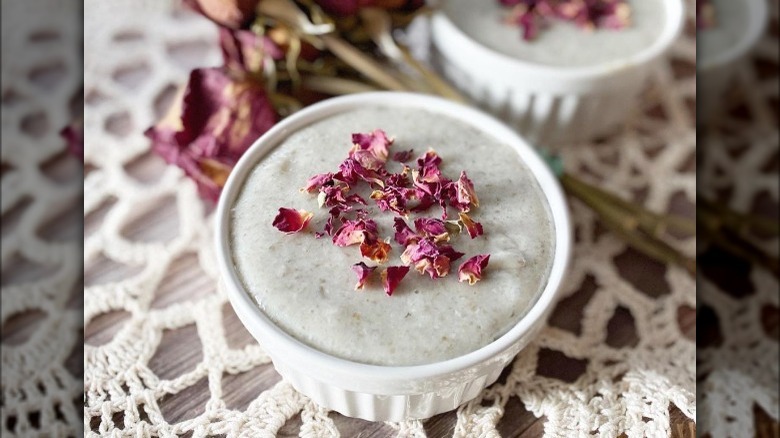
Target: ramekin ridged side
x=549, y=105
x=384, y=393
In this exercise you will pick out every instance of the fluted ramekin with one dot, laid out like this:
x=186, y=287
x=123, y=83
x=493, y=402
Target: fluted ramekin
x=389, y=393
x=714, y=74
x=548, y=104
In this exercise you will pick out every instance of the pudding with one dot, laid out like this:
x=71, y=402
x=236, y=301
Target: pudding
x=306, y=287
x=562, y=43
x=568, y=85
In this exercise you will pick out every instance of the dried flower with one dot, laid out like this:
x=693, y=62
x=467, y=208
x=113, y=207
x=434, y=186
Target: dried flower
x=220, y=119
x=291, y=221
x=392, y=276
x=473, y=228
x=533, y=15
x=471, y=269
x=363, y=272
x=234, y=14
x=377, y=251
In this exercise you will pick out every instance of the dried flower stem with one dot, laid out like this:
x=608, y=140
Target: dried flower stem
x=336, y=86
x=636, y=225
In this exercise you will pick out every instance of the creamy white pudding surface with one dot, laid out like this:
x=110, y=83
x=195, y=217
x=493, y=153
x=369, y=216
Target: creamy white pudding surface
x=305, y=285
x=561, y=44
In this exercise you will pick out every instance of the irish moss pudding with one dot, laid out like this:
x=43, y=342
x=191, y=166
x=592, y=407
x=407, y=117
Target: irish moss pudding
x=392, y=236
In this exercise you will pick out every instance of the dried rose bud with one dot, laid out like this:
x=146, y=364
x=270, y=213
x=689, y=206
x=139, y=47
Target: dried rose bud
x=392, y=276
x=471, y=269
x=473, y=228
x=363, y=272
x=378, y=251
x=291, y=221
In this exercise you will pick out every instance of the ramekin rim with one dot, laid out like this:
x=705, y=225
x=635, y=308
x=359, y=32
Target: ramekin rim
x=250, y=313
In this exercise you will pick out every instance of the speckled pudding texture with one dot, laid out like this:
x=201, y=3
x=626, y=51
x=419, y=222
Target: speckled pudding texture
x=305, y=285
x=562, y=44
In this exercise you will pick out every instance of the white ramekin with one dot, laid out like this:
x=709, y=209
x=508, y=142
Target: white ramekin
x=716, y=74
x=381, y=393
x=549, y=105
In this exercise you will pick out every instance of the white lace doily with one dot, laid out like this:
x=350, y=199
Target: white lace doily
x=41, y=221
x=143, y=226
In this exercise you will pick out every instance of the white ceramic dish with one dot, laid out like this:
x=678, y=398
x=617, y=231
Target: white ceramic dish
x=549, y=105
x=715, y=73
x=381, y=393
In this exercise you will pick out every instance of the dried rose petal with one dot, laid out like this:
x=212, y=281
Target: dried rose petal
x=230, y=13
x=363, y=272
x=291, y=221
x=392, y=276
x=351, y=171
x=377, y=251
x=354, y=232
x=375, y=142
x=465, y=191
x=435, y=268
x=403, y=156
x=317, y=181
x=403, y=234
x=473, y=228
x=532, y=15
x=433, y=228
x=471, y=269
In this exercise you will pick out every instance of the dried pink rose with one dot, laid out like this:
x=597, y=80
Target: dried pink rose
x=471, y=269
x=291, y=221
x=473, y=228
x=392, y=276
x=426, y=255
x=363, y=272
x=220, y=119
x=244, y=51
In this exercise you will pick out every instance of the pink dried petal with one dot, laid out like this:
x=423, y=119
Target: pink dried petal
x=291, y=221
x=433, y=228
x=377, y=251
x=354, y=232
x=465, y=191
x=363, y=272
x=375, y=142
x=473, y=228
x=437, y=267
x=403, y=156
x=317, y=181
x=471, y=269
x=403, y=234
x=392, y=276
x=351, y=172
x=244, y=51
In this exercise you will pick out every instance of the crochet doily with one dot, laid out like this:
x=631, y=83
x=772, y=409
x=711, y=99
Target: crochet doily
x=150, y=284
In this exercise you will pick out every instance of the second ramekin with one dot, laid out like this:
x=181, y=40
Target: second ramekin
x=383, y=393
x=549, y=105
